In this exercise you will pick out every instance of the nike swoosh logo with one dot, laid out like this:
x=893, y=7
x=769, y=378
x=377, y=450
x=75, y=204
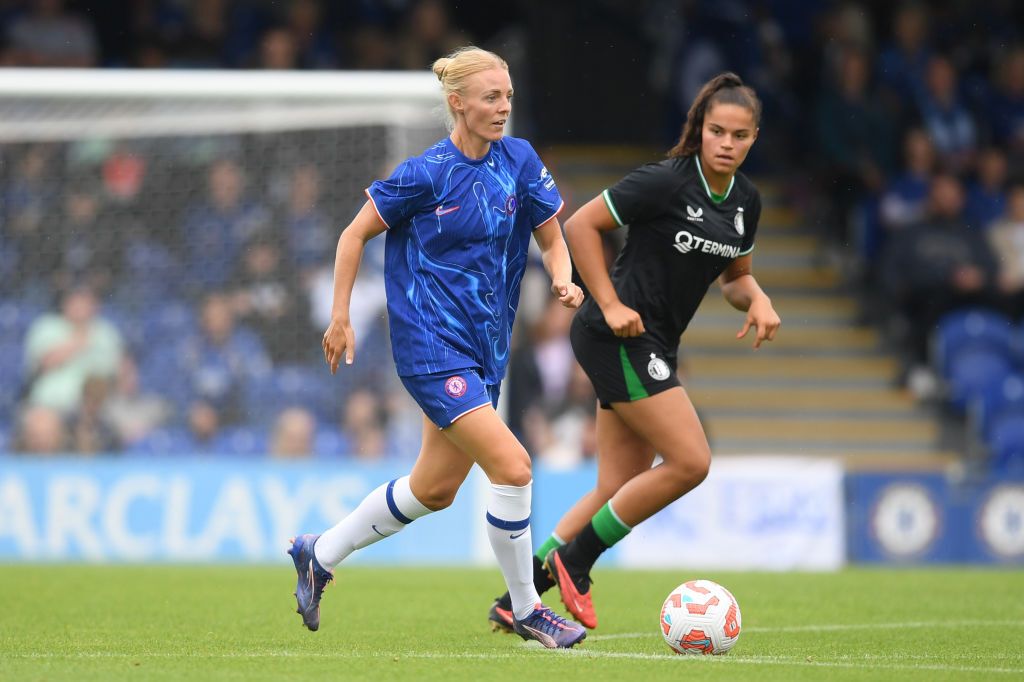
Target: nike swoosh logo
x=516, y=537
x=374, y=527
x=439, y=211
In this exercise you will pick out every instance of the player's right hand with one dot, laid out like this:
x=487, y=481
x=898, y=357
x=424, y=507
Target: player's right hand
x=623, y=320
x=339, y=340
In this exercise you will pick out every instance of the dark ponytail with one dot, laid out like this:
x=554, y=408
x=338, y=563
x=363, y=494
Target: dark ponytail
x=725, y=88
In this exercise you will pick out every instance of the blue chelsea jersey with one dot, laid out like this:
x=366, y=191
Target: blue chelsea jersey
x=458, y=234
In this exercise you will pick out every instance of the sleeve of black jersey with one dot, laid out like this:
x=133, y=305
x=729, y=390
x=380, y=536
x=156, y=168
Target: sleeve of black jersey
x=641, y=195
x=753, y=213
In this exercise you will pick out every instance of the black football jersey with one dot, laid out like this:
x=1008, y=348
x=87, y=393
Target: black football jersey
x=679, y=241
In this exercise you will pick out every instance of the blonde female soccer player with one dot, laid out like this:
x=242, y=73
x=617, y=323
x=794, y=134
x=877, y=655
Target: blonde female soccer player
x=692, y=218
x=459, y=218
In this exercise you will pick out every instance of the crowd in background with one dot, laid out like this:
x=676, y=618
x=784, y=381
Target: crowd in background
x=154, y=306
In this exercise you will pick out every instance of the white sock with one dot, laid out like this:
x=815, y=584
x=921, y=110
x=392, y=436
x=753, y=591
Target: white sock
x=508, y=529
x=382, y=513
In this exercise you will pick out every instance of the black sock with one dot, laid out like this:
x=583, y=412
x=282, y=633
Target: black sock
x=582, y=553
x=505, y=602
x=541, y=578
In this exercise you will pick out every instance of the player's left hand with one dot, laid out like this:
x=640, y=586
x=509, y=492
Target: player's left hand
x=570, y=295
x=761, y=315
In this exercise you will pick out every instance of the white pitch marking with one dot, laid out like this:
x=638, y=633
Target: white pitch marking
x=837, y=627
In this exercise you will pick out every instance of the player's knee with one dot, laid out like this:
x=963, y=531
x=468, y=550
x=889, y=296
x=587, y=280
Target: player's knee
x=689, y=472
x=514, y=469
x=438, y=496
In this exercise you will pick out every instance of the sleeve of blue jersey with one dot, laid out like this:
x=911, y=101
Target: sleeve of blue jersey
x=543, y=201
x=398, y=198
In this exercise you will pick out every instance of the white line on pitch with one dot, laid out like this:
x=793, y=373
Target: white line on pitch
x=837, y=627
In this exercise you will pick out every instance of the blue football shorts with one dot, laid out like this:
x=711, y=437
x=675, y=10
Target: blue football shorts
x=446, y=396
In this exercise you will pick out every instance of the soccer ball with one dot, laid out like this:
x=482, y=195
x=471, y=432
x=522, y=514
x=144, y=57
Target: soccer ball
x=700, y=617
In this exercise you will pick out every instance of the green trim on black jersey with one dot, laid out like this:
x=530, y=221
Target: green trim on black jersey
x=634, y=386
x=716, y=198
x=611, y=207
x=744, y=253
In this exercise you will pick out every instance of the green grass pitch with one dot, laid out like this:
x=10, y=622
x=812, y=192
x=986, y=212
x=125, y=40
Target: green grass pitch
x=238, y=623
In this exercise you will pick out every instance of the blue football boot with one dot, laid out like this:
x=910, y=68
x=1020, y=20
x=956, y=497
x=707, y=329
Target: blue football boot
x=313, y=578
x=550, y=629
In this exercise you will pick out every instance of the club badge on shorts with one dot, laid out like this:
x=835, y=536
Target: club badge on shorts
x=455, y=386
x=658, y=368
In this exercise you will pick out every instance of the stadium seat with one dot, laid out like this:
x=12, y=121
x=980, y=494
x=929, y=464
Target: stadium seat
x=303, y=386
x=166, y=323
x=974, y=328
x=331, y=443
x=241, y=441
x=1004, y=394
x=972, y=370
x=15, y=318
x=171, y=442
x=1007, y=443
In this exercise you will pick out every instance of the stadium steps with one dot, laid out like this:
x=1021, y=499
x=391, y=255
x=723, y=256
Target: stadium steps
x=824, y=387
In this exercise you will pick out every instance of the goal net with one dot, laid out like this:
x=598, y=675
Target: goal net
x=203, y=209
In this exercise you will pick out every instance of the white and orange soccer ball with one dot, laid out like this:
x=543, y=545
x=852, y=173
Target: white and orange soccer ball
x=700, y=617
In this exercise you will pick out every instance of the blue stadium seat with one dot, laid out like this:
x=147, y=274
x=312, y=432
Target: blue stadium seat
x=331, y=443
x=241, y=441
x=1007, y=443
x=15, y=318
x=166, y=323
x=1005, y=394
x=972, y=370
x=974, y=328
x=12, y=369
x=306, y=386
x=174, y=442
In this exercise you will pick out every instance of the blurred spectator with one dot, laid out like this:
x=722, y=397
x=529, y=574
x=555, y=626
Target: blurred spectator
x=905, y=197
x=268, y=298
x=90, y=241
x=293, y=434
x=204, y=425
x=310, y=44
x=1007, y=107
x=28, y=197
x=214, y=230
x=903, y=63
x=944, y=116
x=131, y=413
x=564, y=436
x=63, y=350
x=278, y=50
x=986, y=198
x=1006, y=237
x=90, y=433
x=49, y=36
x=372, y=49
x=542, y=368
x=211, y=368
x=937, y=266
x=308, y=232
x=854, y=139
x=363, y=425
x=41, y=431
x=427, y=35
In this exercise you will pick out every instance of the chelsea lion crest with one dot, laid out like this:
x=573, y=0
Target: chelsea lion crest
x=738, y=221
x=658, y=368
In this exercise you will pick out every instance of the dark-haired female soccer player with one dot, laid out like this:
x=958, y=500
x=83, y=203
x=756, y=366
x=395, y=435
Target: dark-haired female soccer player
x=692, y=218
x=459, y=218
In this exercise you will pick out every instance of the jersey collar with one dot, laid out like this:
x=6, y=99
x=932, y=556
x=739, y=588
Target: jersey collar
x=716, y=198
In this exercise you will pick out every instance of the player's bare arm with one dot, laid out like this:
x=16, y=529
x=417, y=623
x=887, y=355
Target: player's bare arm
x=555, y=255
x=743, y=293
x=583, y=233
x=340, y=339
